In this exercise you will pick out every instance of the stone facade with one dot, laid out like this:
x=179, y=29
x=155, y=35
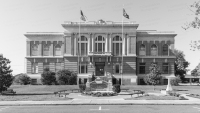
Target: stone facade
x=101, y=47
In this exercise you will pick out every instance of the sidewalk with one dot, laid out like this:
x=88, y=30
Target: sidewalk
x=115, y=100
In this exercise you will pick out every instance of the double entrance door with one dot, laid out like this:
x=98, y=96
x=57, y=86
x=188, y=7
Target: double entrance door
x=99, y=68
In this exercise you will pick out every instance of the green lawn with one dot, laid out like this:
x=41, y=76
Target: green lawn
x=153, y=97
x=179, y=89
x=36, y=93
x=41, y=89
x=43, y=92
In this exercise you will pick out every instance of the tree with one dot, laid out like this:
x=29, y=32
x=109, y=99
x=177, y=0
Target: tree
x=48, y=77
x=66, y=77
x=180, y=64
x=6, y=77
x=196, y=72
x=195, y=9
x=22, y=79
x=153, y=78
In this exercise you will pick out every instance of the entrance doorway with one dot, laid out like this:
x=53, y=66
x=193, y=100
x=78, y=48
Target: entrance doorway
x=99, y=68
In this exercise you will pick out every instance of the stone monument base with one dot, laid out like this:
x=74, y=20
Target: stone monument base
x=166, y=92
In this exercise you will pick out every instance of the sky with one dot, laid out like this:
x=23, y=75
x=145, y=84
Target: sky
x=20, y=16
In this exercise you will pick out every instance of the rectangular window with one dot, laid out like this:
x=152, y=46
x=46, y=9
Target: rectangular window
x=58, y=67
x=117, y=68
x=165, y=68
x=142, y=68
x=83, y=68
x=46, y=66
x=82, y=49
x=34, y=68
x=99, y=47
x=117, y=49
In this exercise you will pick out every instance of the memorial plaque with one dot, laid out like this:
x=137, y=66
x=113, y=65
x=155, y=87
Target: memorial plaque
x=97, y=86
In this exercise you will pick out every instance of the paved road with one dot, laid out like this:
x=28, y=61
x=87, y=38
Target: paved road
x=102, y=109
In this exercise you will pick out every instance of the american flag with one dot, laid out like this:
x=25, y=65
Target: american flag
x=83, y=17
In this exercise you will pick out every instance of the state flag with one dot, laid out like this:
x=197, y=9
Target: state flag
x=125, y=14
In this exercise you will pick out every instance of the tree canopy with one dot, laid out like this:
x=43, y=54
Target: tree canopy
x=6, y=77
x=196, y=72
x=180, y=64
x=195, y=9
x=153, y=78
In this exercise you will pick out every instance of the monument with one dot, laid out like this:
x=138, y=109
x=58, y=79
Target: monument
x=100, y=84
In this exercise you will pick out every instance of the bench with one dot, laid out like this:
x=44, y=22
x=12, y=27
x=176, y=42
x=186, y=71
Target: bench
x=138, y=92
x=61, y=92
x=72, y=90
x=8, y=92
x=124, y=89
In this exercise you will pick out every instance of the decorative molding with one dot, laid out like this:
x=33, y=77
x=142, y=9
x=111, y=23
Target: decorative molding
x=156, y=56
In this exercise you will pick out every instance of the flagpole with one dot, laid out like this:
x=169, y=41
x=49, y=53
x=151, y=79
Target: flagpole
x=79, y=45
x=122, y=48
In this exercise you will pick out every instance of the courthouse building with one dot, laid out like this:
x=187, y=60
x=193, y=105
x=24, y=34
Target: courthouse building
x=101, y=46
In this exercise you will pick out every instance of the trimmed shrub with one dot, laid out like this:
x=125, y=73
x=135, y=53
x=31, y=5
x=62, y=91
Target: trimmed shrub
x=48, y=77
x=22, y=79
x=82, y=87
x=116, y=88
x=73, y=79
x=175, y=81
x=66, y=77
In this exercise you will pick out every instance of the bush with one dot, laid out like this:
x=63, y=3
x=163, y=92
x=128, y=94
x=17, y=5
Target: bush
x=175, y=81
x=66, y=77
x=22, y=79
x=116, y=88
x=82, y=87
x=73, y=79
x=48, y=77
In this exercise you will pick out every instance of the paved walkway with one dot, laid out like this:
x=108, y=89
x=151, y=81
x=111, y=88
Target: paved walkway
x=114, y=100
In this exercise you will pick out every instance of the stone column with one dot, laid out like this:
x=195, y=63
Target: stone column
x=110, y=48
x=123, y=43
x=106, y=44
x=127, y=45
x=92, y=42
x=28, y=48
x=40, y=48
x=68, y=44
x=75, y=41
x=51, y=50
x=89, y=42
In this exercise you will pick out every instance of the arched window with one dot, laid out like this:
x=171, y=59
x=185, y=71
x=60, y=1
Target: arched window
x=100, y=44
x=154, y=50
x=142, y=50
x=57, y=50
x=45, y=50
x=117, y=46
x=34, y=50
x=165, y=49
x=82, y=46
